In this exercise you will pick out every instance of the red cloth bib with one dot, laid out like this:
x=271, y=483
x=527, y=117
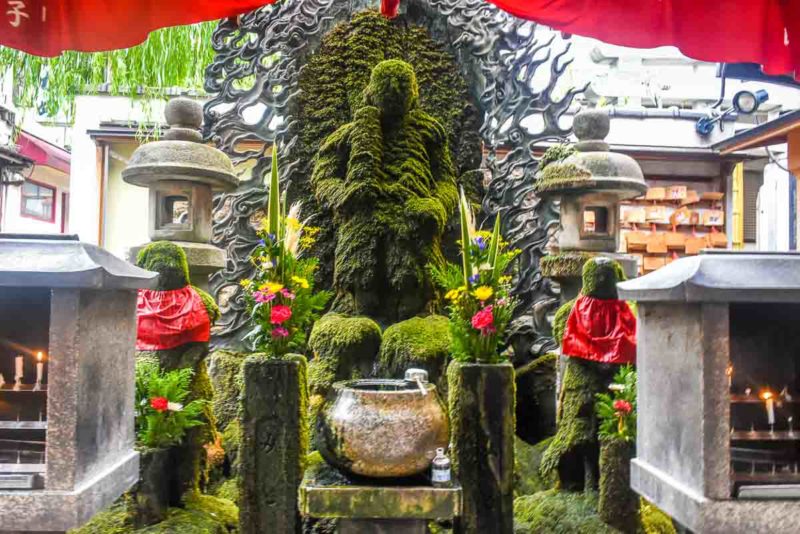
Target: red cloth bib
x=168, y=319
x=600, y=330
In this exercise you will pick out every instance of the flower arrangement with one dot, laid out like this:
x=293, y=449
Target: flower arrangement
x=616, y=410
x=478, y=291
x=162, y=418
x=280, y=296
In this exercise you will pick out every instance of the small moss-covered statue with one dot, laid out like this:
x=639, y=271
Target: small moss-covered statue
x=174, y=327
x=388, y=178
x=597, y=333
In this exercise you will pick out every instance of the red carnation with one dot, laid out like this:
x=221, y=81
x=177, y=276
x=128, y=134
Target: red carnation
x=280, y=314
x=623, y=406
x=483, y=319
x=159, y=404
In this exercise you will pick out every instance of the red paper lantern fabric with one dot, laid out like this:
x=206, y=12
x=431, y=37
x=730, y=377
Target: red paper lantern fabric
x=48, y=27
x=766, y=32
x=168, y=319
x=600, y=330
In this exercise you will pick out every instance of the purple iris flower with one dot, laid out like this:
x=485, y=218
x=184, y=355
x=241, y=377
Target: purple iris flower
x=262, y=243
x=474, y=279
x=481, y=242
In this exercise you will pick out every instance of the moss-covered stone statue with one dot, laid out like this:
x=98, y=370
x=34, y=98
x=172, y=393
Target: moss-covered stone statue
x=174, y=323
x=597, y=333
x=388, y=178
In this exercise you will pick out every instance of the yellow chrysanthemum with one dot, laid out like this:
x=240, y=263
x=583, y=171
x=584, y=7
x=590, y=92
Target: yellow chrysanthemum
x=292, y=223
x=452, y=294
x=484, y=234
x=302, y=282
x=272, y=287
x=483, y=293
x=246, y=283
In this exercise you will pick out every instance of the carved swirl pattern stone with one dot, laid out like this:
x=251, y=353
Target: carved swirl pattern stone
x=256, y=72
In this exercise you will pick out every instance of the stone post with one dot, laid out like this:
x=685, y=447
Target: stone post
x=274, y=424
x=618, y=504
x=481, y=398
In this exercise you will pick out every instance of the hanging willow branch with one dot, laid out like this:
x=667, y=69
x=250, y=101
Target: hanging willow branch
x=171, y=57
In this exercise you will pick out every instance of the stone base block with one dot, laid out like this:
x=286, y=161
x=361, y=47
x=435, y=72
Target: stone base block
x=49, y=511
x=383, y=526
x=707, y=516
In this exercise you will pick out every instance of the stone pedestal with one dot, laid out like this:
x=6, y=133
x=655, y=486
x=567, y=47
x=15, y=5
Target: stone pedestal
x=151, y=494
x=619, y=504
x=482, y=444
x=274, y=443
x=376, y=506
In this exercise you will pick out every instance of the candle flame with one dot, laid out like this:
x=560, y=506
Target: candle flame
x=729, y=370
x=39, y=356
x=766, y=394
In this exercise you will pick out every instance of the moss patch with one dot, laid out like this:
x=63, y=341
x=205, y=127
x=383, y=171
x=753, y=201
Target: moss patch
x=558, y=512
x=421, y=342
x=600, y=277
x=564, y=265
x=115, y=520
x=527, y=459
x=557, y=176
x=224, y=369
x=343, y=348
x=556, y=154
x=618, y=504
x=228, y=490
x=654, y=521
x=169, y=261
x=560, y=320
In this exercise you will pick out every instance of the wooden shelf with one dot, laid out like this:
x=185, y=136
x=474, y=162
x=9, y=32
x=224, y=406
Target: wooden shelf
x=738, y=398
x=23, y=425
x=761, y=478
x=764, y=435
x=24, y=388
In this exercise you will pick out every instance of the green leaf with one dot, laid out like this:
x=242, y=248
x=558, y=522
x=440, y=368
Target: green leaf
x=465, y=243
x=494, y=246
x=274, y=199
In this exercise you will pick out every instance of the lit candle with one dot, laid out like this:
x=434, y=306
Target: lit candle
x=729, y=372
x=39, y=368
x=18, y=372
x=770, y=405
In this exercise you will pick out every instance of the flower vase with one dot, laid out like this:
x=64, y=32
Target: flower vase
x=481, y=403
x=618, y=505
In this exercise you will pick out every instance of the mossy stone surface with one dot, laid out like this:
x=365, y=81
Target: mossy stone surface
x=557, y=176
x=527, y=459
x=600, y=277
x=618, y=504
x=560, y=320
x=224, y=369
x=228, y=490
x=564, y=264
x=482, y=421
x=536, y=398
x=420, y=342
x=343, y=348
x=574, y=451
x=559, y=512
x=169, y=261
x=654, y=521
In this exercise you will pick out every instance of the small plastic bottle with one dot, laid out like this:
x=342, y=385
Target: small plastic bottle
x=440, y=470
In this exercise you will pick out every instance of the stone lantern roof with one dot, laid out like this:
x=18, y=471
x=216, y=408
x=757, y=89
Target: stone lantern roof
x=592, y=168
x=181, y=155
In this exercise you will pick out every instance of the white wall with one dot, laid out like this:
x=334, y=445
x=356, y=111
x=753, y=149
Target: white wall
x=127, y=209
x=14, y=222
x=90, y=111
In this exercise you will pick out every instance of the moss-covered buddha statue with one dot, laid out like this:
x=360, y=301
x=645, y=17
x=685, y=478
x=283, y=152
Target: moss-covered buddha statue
x=174, y=322
x=388, y=178
x=597, y=333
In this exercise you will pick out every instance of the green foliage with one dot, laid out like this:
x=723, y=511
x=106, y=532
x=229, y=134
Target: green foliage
x=389, y=182
x=161, y=418
x=654, y=521
x=555, y=154
x=171, y=57
x=558, y=512
x=331, y=88
x=280, y=297
x=209, y=303
x=169, y=261
x=617, y=410
x=481, y=305
x=559, y=175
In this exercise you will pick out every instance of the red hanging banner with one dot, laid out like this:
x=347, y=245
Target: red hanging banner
x=766, y=32
x=49, y=27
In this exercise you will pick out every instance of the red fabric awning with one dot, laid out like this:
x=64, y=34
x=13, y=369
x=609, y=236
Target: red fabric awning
x=766, y=32
x=48, y=27
x=43, y=153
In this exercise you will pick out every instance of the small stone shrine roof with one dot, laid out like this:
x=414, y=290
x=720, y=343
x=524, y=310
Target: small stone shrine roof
x=29, y=260
x=721, y=276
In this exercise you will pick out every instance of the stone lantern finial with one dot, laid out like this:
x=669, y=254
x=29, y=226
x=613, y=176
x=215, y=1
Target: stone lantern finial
x=185, y=118
x=591, y=126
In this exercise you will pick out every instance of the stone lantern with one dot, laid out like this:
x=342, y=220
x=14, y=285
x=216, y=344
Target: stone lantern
x=67, y=338
x=589, y=186
x=182, y=174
